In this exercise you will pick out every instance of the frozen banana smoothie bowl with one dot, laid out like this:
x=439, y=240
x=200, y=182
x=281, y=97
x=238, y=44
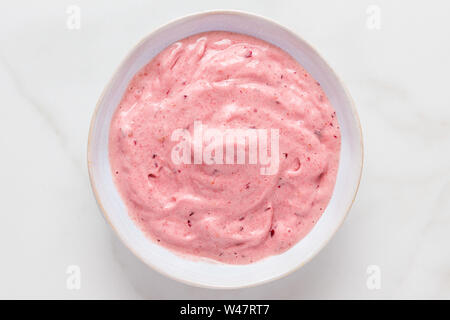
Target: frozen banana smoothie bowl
x=225, y=152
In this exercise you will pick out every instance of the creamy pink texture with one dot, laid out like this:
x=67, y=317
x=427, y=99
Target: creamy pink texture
x=229, y=213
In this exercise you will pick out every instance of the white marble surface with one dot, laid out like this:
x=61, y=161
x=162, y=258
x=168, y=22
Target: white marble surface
x=51, y=78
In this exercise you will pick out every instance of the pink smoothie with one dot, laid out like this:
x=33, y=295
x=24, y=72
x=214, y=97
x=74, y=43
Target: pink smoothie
x=227, y=212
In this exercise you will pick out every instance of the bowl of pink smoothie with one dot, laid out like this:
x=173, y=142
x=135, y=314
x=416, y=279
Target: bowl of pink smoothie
x=225, y=152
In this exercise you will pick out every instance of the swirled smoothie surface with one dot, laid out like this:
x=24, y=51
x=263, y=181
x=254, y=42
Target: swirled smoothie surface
x=226, y=212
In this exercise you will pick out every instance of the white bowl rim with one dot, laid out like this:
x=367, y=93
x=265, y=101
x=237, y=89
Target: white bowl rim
x=94, y=117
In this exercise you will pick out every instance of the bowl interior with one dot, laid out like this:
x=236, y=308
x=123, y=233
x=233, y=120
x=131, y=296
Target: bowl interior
x=199, y=271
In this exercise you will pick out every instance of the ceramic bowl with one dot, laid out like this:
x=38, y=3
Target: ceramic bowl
x=199, y=271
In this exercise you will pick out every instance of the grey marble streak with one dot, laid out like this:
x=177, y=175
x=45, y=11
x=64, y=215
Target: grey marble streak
x=51, y=78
